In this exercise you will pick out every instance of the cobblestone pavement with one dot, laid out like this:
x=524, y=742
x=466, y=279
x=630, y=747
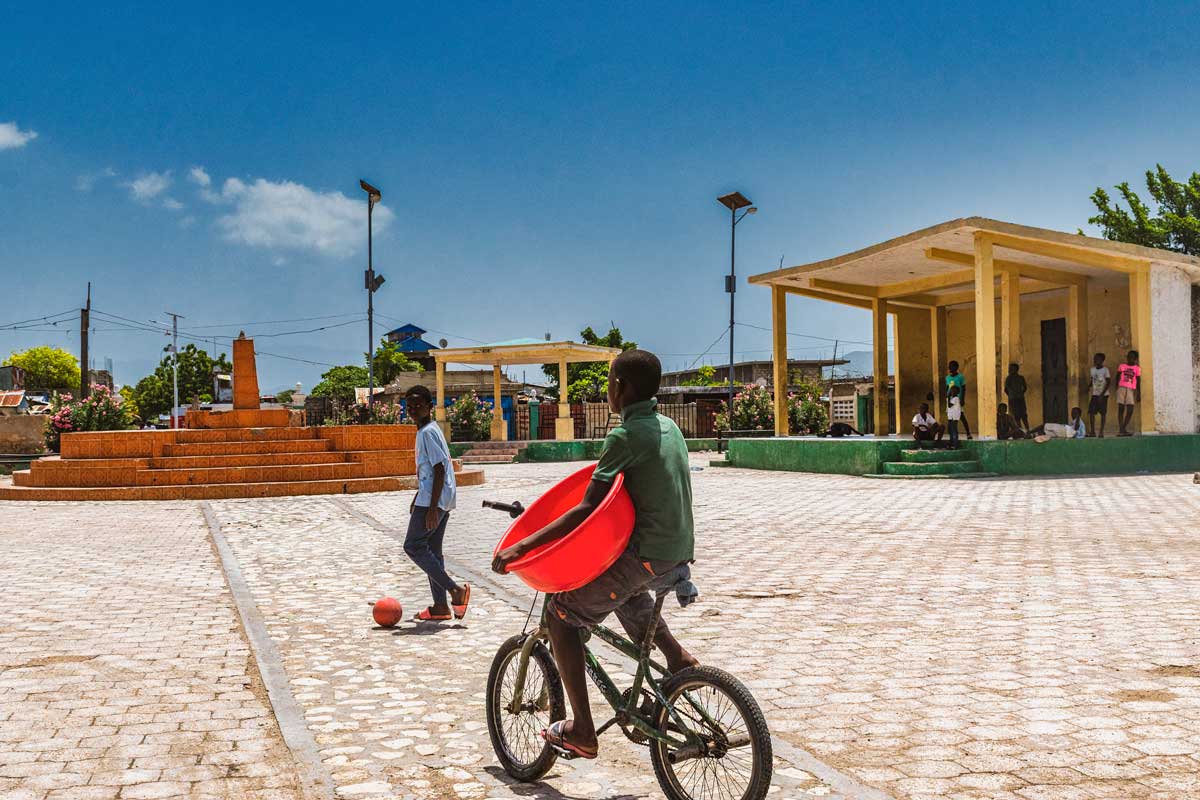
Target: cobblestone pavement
x=997, y=639
x=123, y=669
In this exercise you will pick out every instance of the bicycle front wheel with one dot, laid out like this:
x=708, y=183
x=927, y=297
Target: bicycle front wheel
x=733, y=762
x=515, y=724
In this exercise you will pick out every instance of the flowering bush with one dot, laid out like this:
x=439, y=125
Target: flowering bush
x=376, y=414
x=754, y=410
x=471, y=419
x=102, y=410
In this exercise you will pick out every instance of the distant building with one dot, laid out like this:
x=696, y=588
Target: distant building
x=745, y=372
x=13, y=401
x=12, y=378
x=412, y=345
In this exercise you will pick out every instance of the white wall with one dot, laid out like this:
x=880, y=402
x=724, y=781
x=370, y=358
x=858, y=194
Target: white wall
x=1171, y=331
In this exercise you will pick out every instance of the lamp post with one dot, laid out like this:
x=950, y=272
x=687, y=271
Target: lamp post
x=735, y=202
x=373, y=282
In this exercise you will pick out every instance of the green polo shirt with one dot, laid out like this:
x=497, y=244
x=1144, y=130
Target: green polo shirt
x=650, y=451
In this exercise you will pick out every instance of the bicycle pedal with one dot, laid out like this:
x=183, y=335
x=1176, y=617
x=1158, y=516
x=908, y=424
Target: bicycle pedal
x=563, y=752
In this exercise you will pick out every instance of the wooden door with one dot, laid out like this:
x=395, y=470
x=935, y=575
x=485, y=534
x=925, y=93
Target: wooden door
x=1054, y=370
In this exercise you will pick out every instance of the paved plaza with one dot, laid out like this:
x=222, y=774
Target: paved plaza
x=907, y=639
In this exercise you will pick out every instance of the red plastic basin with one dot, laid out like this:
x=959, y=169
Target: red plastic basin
x=584, y=553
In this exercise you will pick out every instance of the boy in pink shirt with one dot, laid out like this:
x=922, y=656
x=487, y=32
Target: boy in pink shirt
x=1129, y=390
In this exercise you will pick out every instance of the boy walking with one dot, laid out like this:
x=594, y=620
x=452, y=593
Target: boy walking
x=1098, y=404
x=430, y=511
x=1129, y=376
x=648, y=449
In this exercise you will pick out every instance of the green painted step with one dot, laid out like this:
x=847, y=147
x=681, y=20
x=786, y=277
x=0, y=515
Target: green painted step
x=930, y=468
x=952, y=476
x=926, y=456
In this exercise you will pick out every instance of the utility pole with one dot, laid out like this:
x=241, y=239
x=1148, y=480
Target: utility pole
x=734, y=202
x=175, y=365
x=85, y=320
x=373, y=282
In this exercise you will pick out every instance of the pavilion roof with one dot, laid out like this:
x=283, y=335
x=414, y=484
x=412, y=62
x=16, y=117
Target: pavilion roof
x=526, y=351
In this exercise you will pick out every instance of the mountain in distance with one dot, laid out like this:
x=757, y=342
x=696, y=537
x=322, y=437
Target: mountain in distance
x=860, y=364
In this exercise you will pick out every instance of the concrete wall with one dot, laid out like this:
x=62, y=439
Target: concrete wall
x=915, y=375
x=1171, y=325
x=22, y=433
x=1196, y=354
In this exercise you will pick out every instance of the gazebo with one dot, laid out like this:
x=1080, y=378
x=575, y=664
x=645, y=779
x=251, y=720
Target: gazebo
x=519, y=351
x=1062, y=297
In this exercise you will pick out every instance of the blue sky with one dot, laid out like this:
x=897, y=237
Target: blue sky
x=544, y=166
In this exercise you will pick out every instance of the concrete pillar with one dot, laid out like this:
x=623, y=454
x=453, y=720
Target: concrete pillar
x=439, y=400
x=499, y=427
x=937, y=355
x=879, y=350
x=1140, y=323
x=1078, y=359
x=564, y=426
x=1010, y=319
x=779, y=356
x=985, y=338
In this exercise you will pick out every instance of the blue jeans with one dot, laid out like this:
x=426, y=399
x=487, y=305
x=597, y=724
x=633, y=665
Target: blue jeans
x=952, y=426
x=425, y=549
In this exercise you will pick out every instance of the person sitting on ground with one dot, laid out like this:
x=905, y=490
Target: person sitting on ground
x=1006, y=424
x=1101, y=385
x=925, y=427
x=648, y=449
x=839, y=430
x=1014, y=389
x=1074, y=429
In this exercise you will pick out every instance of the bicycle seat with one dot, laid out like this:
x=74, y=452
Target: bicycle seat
x=679, y=580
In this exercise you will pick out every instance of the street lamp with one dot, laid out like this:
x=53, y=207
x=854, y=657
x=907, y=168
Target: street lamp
x=373, y=282
x=735, y=202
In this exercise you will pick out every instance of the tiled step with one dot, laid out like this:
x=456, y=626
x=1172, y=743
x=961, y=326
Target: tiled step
x=246, y=460
x=930, y=468
x=248, y=448
x=950, y=476
x=502, y=446
x=473, y=477
x=930, y=455
x=187, y=436
x=471, y=457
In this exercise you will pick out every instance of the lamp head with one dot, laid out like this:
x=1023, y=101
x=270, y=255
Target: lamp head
x=752, y=210
x=373, y=194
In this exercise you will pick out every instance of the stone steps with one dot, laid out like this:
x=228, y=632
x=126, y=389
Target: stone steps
x=953, y=476
x=932, y=463
x=246, y=460
x=493, y=452
x=238, y=448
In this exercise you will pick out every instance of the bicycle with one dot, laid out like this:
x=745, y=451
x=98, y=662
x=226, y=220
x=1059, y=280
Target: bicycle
x=707, y=736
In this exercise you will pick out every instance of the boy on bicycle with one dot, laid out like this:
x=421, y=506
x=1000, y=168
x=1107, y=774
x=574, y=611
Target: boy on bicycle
x=649, y=450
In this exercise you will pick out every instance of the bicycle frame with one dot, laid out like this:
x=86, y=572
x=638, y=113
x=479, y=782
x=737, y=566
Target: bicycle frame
x=626, y=712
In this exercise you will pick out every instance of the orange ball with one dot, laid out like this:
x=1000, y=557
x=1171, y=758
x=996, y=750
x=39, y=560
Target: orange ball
x=387, y=611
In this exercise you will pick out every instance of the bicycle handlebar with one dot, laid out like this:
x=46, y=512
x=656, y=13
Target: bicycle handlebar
x=513, y=509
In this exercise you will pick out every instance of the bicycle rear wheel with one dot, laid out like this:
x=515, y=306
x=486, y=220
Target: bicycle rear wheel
x=734, y=762
x=516, y=737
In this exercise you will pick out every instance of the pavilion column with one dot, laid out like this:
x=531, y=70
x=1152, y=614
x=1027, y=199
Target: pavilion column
x=564, y=426
x=879, y=351
x=896, y=391
x=985, y=338
x=779, y=356
x=1139, y=324
x=499, y=428
x=1010, y=319
x=937, y=354
x=1078, y=377
x=439, y=402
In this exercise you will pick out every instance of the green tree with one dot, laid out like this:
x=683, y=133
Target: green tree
x=130, y=402
x=1173, y=225
x=707, y=376
x=47, y=369
x=390, y=362
x=284, y=397
x=155, y=392
x=588, y=380
x=340, y=382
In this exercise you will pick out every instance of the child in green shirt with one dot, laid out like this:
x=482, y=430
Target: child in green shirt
x=649, y=450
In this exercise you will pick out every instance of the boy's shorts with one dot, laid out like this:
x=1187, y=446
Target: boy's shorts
x=1125, y=396
x=1098, y=404
x=629, y=576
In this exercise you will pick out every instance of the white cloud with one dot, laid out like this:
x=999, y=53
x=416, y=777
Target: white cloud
x=172, y=203
x=149, y=185
x=187, y=222
x=12, y=137
x=291, y=216
x=85, y=183
x=198, y=176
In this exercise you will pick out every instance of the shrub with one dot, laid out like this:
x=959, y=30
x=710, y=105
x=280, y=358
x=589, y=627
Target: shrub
x=376, y=414
x=471, y=418
x=754, y=410
x=102, y=410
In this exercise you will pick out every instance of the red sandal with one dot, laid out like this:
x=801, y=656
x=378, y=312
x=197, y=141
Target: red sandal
x=460, y=610
x=427, y=615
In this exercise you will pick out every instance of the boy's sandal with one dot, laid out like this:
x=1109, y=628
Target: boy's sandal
x=460, y=610
x=554, y=736
x=427, y=615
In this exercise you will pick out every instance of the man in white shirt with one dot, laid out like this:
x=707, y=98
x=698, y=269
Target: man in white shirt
x=1101, y=384
x=925, y=427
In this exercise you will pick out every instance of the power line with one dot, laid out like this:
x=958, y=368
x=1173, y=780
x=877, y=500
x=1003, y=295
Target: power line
x=273, y=321
x=68, y=313
x=724, y=333
x=804, y=335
